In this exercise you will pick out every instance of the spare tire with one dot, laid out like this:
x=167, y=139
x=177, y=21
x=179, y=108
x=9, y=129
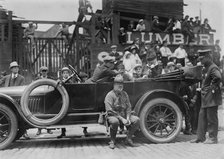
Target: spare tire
x=25, y=103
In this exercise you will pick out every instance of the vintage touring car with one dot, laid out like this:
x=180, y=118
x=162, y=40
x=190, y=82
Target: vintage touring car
x=48, y=103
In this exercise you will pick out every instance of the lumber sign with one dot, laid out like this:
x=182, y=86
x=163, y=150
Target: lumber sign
x=172, y=39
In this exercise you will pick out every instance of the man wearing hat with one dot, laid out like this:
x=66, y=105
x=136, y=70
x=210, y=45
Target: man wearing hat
x=105, y=71
x=13, y=79
x=210, y=100
x=153, y=67
x=155, y=25
x=29, y=32
x=43, y=74
x=118, y=107
x=118, y=55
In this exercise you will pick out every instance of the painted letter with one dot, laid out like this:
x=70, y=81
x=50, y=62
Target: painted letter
x=205, y=38
x=178, y=38
x=166, y=38
x=129, y=41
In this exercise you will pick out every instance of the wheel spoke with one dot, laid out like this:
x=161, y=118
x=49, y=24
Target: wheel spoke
x=152, y=116
x=2, y=117
x=165, y=111
x=2, y=125
x=161, y=129
x=153, y=125
x=160, y=109
x=151, y=121
x=156, y=128
x=171, y=120
x=168, y=115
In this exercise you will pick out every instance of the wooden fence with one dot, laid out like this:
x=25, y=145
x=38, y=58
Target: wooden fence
x=53, y=53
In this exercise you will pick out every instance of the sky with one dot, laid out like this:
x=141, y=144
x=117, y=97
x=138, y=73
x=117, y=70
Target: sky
x=67, y=10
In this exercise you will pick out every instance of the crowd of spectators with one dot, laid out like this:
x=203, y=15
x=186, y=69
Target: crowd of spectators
x=188, y=26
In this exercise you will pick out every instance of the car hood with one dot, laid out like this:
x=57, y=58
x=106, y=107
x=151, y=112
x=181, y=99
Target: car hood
x=18, y=90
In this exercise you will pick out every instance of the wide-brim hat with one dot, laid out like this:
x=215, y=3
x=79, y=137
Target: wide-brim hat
x=13, y=64
x=119, y=79
x=65, y=69
x=109, y=59
x=43, y=68
x=102, y=55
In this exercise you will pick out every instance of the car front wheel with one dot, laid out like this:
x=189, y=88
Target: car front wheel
x=160, y=120
x=8, y=126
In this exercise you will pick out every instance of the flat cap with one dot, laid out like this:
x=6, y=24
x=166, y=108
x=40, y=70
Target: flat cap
x=43, y=68
x=119, y=79
x=113, y=46
x=65, y=69
x=204, y=52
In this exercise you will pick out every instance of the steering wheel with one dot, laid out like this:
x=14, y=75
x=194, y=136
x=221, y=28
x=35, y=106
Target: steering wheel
x=75, y=73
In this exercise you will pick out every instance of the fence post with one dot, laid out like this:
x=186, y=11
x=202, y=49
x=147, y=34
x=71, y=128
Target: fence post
x=49, y=55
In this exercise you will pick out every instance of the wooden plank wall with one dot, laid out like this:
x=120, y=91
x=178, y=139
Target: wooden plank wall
x=163, y=8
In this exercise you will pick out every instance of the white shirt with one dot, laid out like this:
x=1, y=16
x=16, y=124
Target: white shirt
x=177, y=25
x=165, y=51
x=140, y=27
x=14, y=75
x=180, y=53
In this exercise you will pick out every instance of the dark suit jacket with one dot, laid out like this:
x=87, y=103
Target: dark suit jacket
x=211, y=92
x=5, y=81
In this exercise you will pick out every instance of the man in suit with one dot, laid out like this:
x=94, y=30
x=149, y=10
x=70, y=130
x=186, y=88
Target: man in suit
x=210, y=100
x=14, y=79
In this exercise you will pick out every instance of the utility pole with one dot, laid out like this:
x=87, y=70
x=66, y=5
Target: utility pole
x=200, y=11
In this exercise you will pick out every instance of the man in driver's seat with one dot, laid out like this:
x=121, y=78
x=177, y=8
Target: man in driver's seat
x=118, y=107
x=104, y=72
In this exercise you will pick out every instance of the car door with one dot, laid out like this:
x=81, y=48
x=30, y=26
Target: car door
x=82, y=97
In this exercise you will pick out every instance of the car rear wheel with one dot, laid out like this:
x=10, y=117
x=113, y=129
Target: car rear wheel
x=8, y=126
x=44, y=121
x=160, y=120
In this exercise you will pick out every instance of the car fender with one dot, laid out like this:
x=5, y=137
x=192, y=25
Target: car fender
x=12, y=104
x=160, y=93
